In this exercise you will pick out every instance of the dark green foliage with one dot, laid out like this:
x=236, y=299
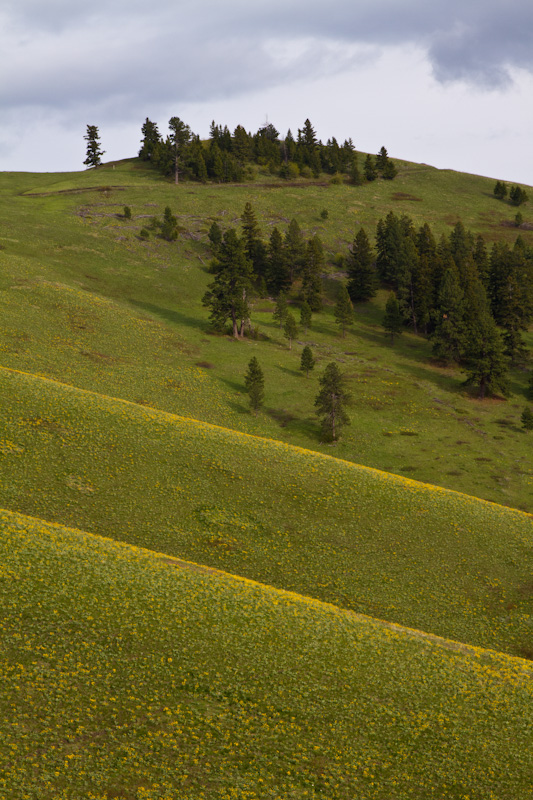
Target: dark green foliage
x=527, y=419
x=362, y=278
x=251, y=234
x=226, y=296
x=151, y=139
x=180, y=136
x=355, y=175
x=307, y=361
x=169, y=226
x=384, y=166
x=144, y=234
x=331, y=401
x=94, y=153
x=529, y=390
x=393, y=319
x=500, y=190
x=305, y=316
x=483, y=357
x=127, y=212
x=324, y=214
x=290, y=328
x=369, y=169
x=344, y=315
x=280, y=310
x=277, y=270
x=511, y=293
x=215, y=236
x=518, y=220
x=448, y=337
x=518, y=196
x=294, y=249
x=255, y=384
x=313, y=266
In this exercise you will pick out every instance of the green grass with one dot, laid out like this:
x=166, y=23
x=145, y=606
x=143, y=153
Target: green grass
x=366, y=540
x=127, y=676
x=86, y=302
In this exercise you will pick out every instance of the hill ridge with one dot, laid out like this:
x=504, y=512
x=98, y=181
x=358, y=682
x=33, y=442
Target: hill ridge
x=150, y=410
x=364, y=619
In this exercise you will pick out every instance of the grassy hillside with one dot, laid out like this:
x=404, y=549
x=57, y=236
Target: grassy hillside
x=386, y=546
x=85, y=301
x=113, y=686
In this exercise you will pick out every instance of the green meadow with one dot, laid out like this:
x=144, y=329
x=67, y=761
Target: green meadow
x=131, y=676
x=204, y=603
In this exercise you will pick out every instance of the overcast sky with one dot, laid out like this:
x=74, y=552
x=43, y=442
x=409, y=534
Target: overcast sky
x=445, y=82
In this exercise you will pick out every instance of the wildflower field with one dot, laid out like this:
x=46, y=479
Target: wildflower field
x=365, y=540
x=113, y=686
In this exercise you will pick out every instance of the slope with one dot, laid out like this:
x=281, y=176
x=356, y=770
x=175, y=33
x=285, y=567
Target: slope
x=369, y=541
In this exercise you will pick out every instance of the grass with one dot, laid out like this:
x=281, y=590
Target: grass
x=114, y=687
x=366, y=540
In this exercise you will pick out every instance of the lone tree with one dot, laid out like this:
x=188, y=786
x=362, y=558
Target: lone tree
x=290, y=329
x=226, y=295
x=180, y=137
x=331, y=401
x=307, y=362
x=344, y=310
x=94, y=154
x=254, y=381
x=393, y=320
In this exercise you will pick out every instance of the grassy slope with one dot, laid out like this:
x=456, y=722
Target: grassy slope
x=113, y=686
x=67, y=253
x=386, y=546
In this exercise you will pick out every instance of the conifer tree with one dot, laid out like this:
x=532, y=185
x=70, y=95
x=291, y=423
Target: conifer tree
x=94, y=153
x=484, y=361
x=369, y=169
x=393, y=319
x=277, y=271
x=281, y=309
x=169, y=228
x=180, y=136
x=294, y=247
x=344, y=315
x=500, y=190
x=312, y=268
x=362, y=278
x=255, y=384
x=151, y=138
x=529, y=390
x=448, y=337
x=226, y=296
x=290, y=328
x=215, y=237
x=305, y=316
x=307, y=361
x=251, y=234
x=331, y=401
x=527, y=419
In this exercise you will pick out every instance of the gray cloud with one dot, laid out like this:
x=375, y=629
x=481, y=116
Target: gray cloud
x=119, y=55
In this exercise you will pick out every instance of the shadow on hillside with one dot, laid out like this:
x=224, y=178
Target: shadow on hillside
x=170, y=315
x=287, y=371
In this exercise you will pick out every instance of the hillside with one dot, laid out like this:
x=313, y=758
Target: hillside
x=114, y=687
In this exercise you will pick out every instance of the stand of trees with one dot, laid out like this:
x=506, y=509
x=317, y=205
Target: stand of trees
x=227, y=156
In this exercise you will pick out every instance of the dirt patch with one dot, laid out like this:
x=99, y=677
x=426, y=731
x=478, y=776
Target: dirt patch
x=406, y=196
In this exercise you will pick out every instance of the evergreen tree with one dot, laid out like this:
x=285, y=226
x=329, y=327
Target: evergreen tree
x=94, y=153
x=390, y=171
x=255, y=384
x=369, y=169
x=356, y=179
x=226, y=296
x=527, y=419
x=215, y=237
x=500, y=190
x=305, y=316
x=393, y=319
x=344, y=315
x=484, y=362
x=382, y=159
x=448, y=336
x=362, y=278
x=180, y=136
x=290, y=328
x=255, y=251
x=313, y=266
x=518, y=196
x=331, y=401
x=281, y=309
x=277, y=271
x=307, y=361
x=169, y=228
x=242, y=145
x=529, y=390
x=294, y=247
x=151, y=138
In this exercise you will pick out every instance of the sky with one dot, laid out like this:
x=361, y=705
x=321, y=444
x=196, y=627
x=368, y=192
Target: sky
x=443, y=82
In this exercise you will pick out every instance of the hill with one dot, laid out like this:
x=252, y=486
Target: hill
x=113, y=687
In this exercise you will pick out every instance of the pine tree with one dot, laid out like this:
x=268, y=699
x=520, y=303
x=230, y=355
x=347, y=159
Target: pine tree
x=255, y=384
x=312, y=269
x=215, y=237
x=305, y=316
x=331, y=401
x=180, y=136
x=344, y=315
x=500, y=190
x=362, y=278
x=294, y=248
x=290, y=328
x=527, y=419
x=484, y=361
x=169, y=228
x=281, y=309
x=151, y=138
x=307, y=361
x=393, y=319
x=529, y=390
x=251, y=234
x=226, y=296
x=369, y=169
x=277, y=271
x=94, y=154
x=448, y=337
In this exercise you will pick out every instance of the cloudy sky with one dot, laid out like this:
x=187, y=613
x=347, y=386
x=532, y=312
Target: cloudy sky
x=444, y=82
